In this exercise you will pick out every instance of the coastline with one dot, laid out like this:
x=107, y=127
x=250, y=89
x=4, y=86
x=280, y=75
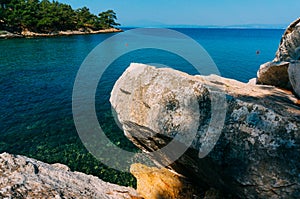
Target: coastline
x=29, y=34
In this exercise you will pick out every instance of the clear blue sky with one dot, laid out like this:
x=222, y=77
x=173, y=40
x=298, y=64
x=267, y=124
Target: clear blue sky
x=195, y=12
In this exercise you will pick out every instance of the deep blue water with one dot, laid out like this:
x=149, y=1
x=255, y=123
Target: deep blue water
x=234, y=50
x=37, y=76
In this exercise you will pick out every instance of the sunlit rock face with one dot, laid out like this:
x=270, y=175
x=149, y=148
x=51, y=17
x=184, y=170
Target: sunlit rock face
x=162, y=183
x=289, y=48
x=277, y=72
x=23, y=177
x=257, y=153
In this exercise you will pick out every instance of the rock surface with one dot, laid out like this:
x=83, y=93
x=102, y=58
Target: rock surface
x=294, y=77
x=289, y=48
x=22, y=177
x=257, y=154
x=27, y=33
x=155, y=183
x=275, y=73
x=7, y=35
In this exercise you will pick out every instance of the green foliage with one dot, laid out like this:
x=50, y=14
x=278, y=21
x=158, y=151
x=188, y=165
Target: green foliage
x=46, y=16
x=83, y=17
x=107, y=19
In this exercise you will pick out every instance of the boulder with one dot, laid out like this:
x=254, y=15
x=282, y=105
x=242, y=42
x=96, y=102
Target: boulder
x=274, y=73
x=294, y=77
x=154, y=183
x=257, y=152
x=23, y=177
x=289, y=48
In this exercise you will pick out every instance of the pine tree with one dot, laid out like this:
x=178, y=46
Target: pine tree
x=45, y=16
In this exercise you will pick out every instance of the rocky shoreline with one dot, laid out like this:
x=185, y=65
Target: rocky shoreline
x=23, y=177
x=29, y=34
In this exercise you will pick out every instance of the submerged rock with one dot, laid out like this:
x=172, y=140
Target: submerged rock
x=22, y=177
x=257, y=154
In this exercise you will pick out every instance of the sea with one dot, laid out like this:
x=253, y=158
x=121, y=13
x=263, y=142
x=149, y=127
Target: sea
x=37, y=77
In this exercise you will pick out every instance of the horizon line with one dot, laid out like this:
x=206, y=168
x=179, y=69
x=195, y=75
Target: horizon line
x=204, y=27
x=236, y=26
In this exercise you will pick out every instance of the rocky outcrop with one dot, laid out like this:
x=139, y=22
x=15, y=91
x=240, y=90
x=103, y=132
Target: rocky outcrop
x=8, y=35
x=257, y=154
x=27, y=33
x=275, y=73
x=22, y=177
x=289, y=48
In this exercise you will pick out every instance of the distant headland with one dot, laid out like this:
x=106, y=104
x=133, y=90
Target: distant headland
x=34, y=18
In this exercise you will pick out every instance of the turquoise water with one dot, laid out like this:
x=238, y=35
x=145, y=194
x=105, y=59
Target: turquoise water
x=37, y=76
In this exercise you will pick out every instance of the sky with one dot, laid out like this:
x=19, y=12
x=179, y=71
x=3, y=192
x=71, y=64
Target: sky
x=143, y=13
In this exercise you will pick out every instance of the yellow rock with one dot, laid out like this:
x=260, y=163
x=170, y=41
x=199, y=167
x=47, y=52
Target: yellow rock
x=154, y=183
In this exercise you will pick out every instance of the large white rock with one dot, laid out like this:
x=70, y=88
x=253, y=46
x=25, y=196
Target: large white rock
x=257, y=154
x=289, y=48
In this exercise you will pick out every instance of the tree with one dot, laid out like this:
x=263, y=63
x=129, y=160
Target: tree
x=12, y=15
x=107, y=19
x=48, y=16
x=67, y=20
x=29, y=15
x=84, y=17
x=3, y=5
x=55, y=16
